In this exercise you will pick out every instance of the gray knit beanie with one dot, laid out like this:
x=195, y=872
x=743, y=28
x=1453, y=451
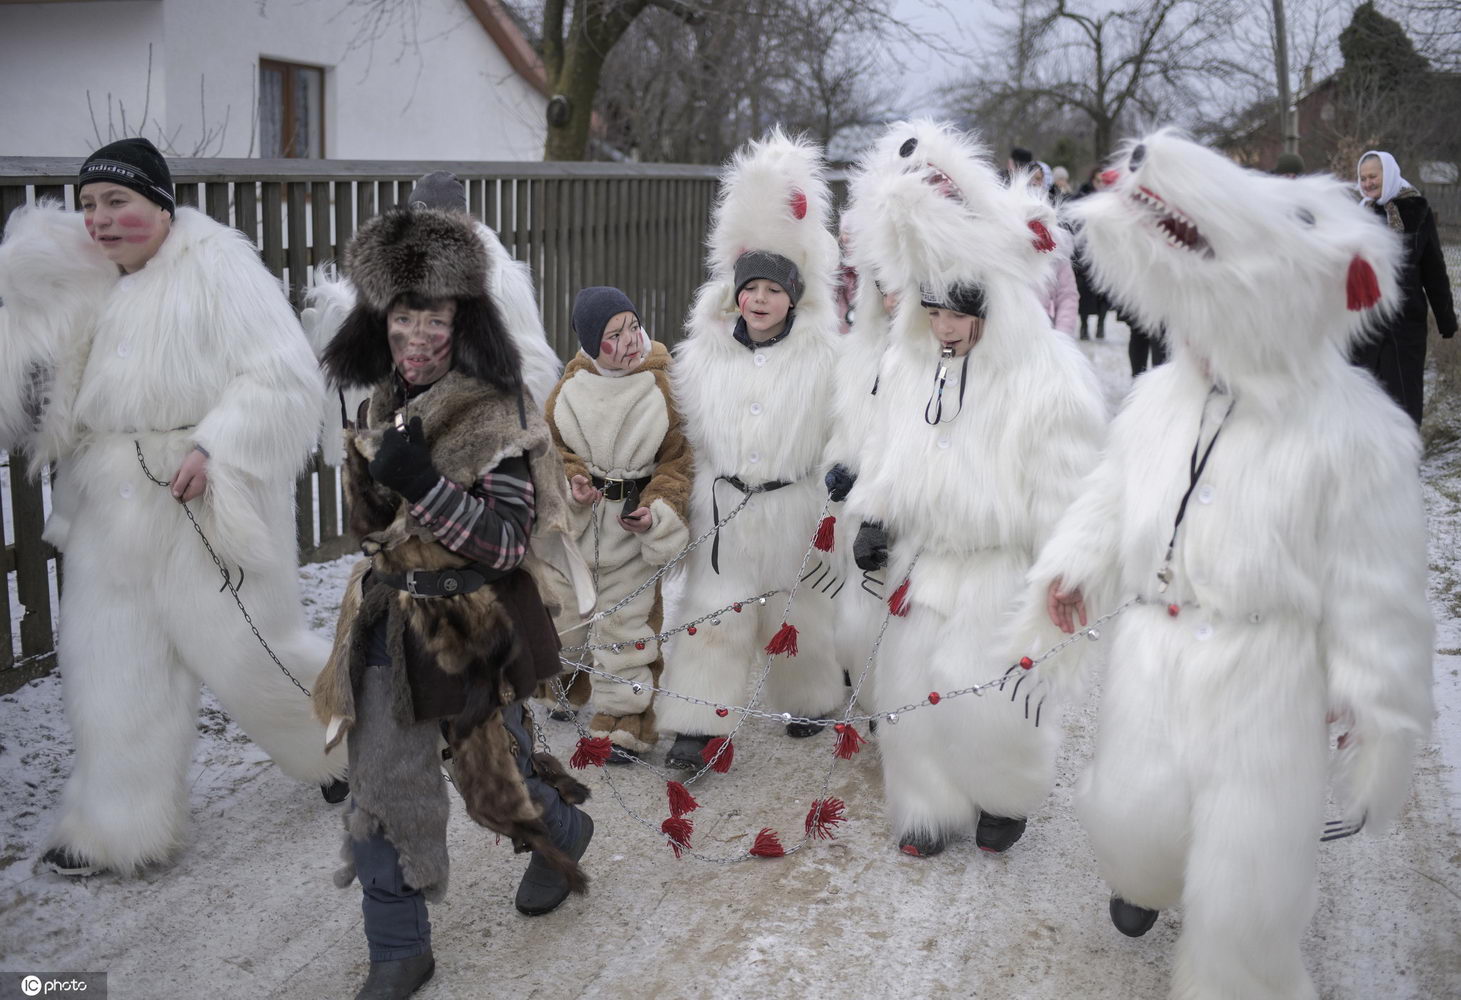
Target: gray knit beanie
x=592, y=309
x=773, y=267
x=439, y=189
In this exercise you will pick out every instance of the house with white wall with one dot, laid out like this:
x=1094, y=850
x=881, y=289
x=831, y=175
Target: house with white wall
x=344, y=79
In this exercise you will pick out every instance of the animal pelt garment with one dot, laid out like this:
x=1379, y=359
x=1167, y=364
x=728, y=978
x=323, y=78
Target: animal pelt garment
x=625, y=426
x=199, y=347
x=509, y=285
x=461, y=659
x=1296, y=588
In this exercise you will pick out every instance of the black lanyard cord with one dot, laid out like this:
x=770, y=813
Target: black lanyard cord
x=936, y=401
x=1195, y=467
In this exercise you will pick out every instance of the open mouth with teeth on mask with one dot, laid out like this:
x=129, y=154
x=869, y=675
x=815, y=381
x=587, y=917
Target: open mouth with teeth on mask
x=1178, y=230
x=942, y=183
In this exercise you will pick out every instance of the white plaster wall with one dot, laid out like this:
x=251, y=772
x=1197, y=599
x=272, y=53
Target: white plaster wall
x=52, y=54
x=435, y=89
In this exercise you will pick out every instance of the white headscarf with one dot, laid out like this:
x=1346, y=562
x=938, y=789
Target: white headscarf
x=1047, y=179
x=1391, y=183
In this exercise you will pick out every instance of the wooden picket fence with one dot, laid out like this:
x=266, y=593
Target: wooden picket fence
x=641, y=227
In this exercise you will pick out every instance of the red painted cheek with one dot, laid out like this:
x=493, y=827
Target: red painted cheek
x=138, y=228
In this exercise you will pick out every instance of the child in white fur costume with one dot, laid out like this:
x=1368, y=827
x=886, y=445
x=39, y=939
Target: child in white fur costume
x=614, y=421
x=987, y=419
x=509, y=286
x=1284, y=579
x=194, y=358
x=757, y=412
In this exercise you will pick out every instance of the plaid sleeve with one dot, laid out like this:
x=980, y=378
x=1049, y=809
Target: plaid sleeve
x=491, y=522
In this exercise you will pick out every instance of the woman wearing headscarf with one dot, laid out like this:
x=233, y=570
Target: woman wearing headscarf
x=1396, y=351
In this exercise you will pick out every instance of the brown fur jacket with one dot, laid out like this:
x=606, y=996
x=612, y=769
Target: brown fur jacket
x=462, y=657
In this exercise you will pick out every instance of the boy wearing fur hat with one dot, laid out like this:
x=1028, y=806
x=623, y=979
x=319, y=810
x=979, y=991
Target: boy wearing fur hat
x=442, y=632
x=614, y=421
x=753, y=381
x=140, y=332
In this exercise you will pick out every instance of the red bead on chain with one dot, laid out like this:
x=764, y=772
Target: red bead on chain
x=933, y=697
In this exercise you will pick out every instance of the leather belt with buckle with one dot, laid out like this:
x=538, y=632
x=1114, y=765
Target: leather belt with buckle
x=442, y=582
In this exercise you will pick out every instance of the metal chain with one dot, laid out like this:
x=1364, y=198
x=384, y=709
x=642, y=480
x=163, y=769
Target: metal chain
x=222, y=571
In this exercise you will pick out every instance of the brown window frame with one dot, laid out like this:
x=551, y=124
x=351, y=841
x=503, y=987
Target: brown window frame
x=287, y=125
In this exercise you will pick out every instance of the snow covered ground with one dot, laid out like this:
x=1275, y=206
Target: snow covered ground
x=248, y=910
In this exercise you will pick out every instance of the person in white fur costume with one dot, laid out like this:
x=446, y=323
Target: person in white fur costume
x=753, y=379
x=509, y=285
x=1262, y=496
x=161, y=334
x=614, y=421
x=987, y=420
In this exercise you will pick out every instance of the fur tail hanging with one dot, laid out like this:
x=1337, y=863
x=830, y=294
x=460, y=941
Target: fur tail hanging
x=551, y=770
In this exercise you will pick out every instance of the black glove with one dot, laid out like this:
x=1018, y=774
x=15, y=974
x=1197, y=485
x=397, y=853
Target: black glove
x=839, y=482
x=870, y=548
x=403, y=464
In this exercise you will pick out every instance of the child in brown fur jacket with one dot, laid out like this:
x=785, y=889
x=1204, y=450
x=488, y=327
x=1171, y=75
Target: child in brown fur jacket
x=617, y=429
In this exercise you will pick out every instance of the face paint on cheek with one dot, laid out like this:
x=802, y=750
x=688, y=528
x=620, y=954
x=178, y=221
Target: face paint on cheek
x=138, y=228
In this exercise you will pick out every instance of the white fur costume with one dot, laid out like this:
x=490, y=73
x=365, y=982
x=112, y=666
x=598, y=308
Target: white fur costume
x=198, y=347
x=971, y=498
x=1299, y=570
x=509, y=286
x=760, y=415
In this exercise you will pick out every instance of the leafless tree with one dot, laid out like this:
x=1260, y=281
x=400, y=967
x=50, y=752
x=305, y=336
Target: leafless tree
x=1117, y=66
x=211, y=136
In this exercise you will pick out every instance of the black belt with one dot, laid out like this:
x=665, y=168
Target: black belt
x=441, y=582
x=767, y=487
x=620, y=489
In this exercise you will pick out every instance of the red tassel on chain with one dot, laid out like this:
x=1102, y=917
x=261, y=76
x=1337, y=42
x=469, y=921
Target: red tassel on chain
x=825, y=814
x=784, y=641
x=1361, y=288
x=678, y=830
x=591, y=750
x=719, y=759
x=826, y=533
x=898, y=603
x=849, y=740
x=1043, y=241
x=681, y=801
x=767, y=845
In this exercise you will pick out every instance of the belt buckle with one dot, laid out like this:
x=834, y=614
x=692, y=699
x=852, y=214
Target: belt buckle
x=613, y=482
x=411, y=584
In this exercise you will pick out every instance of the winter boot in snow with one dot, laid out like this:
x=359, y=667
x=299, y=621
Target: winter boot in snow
x=801, y=730
x=64, y=861
x=1130, y=919
x=685, y=754
x=398, y=979
x=921, y=845
x=997, y=834
x=336, y=791
x=543, y=889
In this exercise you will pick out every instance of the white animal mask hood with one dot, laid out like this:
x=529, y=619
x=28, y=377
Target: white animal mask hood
x=1251, y=272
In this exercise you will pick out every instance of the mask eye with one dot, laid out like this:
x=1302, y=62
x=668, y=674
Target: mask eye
x=1305, y=216
x=1137, y=156
x=906, y=150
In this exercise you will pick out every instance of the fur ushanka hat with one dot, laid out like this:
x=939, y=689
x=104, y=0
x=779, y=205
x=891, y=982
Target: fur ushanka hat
x=423, y=255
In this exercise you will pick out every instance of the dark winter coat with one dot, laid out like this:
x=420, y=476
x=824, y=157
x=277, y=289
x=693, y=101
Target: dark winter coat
x=1396, y=351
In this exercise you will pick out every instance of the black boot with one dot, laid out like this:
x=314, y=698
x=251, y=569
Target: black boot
x=921, y=845
x=562, y=714
x=801, y=730
x=65, y=861
x=1130, y=919
x=397, y=979
x=336, y=791
x=997, y=834
x=543, y=889
x=685, y=754
x=623, y=755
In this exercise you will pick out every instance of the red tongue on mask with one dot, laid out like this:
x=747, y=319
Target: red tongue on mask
x=1361, y=288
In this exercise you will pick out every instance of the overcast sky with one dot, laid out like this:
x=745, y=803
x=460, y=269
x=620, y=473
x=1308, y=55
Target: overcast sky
x=952, y=24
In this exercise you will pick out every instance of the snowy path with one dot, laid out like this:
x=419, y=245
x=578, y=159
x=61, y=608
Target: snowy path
x=248, y=909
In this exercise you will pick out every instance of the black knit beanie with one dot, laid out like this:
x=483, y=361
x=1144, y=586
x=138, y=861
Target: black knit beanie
x=755, y=264
x=439, y=189
x=966, y=298
x=132, y=163
x=592, y=310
